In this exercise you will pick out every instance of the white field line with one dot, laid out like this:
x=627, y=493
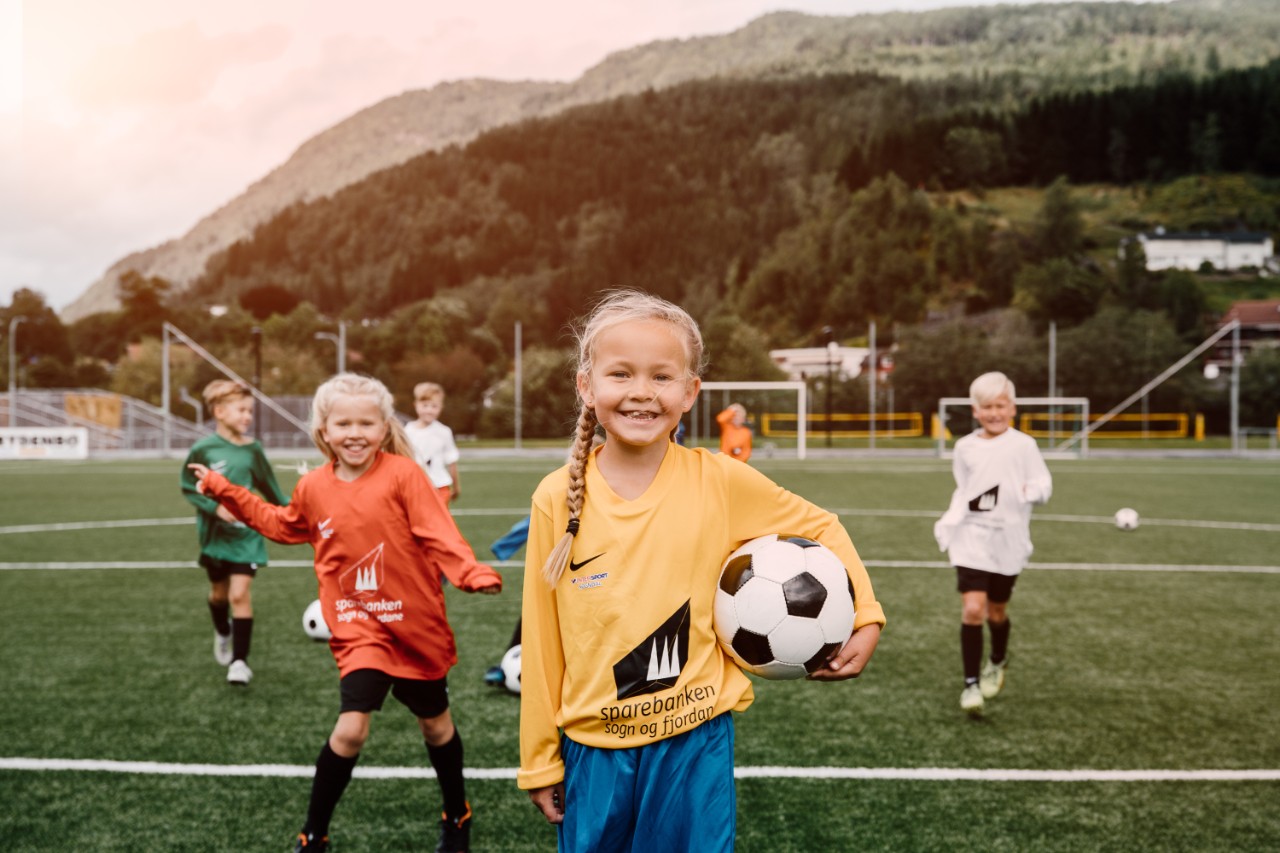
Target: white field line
x=506, y=564
x=63, y=526
x=919, y=774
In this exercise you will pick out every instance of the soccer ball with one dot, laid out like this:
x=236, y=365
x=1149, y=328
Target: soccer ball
x=782, y=606
x=1127, y=519
x=313, y=622
x=511, y=669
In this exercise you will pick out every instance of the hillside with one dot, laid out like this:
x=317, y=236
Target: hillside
x=1029, y=49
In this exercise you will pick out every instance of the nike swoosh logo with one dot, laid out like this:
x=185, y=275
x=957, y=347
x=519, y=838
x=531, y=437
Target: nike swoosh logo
x=573, y=567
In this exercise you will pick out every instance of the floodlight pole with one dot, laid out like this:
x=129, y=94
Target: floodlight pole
x=165, y=402
x=874, y=364
x=14, y=322
x=832, y=346
x=519, y=381
x=256, y=331
x=1235, y=387
x=340, y=341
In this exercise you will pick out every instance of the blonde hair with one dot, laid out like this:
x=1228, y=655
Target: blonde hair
x=220, y=391
x=356, y=385
x=988, y=386
x=617, y=307
x=428, y=391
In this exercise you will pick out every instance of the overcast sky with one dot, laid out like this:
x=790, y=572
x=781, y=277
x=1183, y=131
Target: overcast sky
x=123, y=123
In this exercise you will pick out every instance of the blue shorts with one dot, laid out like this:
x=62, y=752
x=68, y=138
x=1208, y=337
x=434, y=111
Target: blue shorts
x=671, y=795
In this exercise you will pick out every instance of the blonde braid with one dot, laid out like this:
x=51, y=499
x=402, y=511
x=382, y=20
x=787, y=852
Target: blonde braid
x=574, y=495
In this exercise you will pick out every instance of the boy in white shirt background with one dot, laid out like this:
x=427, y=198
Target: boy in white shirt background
x=986, y=531
x=432, y=441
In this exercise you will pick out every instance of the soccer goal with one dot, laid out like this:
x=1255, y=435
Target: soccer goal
x=1056, y=423
x=765, y=402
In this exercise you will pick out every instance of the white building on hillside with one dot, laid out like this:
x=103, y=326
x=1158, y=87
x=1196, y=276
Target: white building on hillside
x=1189, y=250
x=844, y=362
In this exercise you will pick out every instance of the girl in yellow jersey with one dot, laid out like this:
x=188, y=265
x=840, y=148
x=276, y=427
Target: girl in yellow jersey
x=625, y=739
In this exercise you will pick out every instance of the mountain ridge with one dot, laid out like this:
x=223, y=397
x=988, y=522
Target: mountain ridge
x=1063, y=37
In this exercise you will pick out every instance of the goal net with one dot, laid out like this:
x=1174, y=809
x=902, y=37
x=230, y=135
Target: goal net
x=1056, y=423
x=775, y=413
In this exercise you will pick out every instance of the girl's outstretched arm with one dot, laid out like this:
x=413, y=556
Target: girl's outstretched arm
x=284, y=524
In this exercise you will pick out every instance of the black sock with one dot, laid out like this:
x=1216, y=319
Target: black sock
x=333, y=772
x=447, y=761
x=999, y=640
x=220, y=613
x=515, y=635
x=971, y=652
x=241, y=633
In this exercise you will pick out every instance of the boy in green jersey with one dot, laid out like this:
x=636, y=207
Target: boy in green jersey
x=230, y=552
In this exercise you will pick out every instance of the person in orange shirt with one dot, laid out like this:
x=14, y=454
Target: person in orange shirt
x=735, y=435
x=382, y=536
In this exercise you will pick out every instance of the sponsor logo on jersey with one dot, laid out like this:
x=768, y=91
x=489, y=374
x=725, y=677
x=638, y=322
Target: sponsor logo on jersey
x=573, y=567
x=657, y=661
x=986, y=501
x=361, y=580
x=590, y=581
x=325, y=530
x=220, y=466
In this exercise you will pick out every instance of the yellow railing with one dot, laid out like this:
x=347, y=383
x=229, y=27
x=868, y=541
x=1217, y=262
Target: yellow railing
x=1151, y=425
x=887, y=424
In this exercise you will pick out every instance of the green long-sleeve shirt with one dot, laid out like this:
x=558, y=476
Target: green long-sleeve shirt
x=245, y=465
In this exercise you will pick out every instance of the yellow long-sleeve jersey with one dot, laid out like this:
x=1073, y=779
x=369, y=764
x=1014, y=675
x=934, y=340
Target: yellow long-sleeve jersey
x=623, y=652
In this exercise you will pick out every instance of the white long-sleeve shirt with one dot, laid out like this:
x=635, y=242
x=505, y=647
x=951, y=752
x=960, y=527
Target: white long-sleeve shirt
x=988, y=525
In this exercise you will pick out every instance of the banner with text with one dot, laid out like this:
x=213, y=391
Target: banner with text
x=44, y=443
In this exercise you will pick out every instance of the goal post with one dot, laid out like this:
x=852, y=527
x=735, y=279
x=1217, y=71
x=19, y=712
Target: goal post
x=1058, y=424
x=760, y=398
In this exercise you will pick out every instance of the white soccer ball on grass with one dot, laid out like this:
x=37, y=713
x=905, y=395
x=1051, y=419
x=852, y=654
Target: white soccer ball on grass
x=313, y=622
x=511, y=669
x=1127, y=518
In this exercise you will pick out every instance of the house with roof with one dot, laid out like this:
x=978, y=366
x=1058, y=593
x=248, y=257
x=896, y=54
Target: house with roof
x=1259, y=329
x=1190, y=250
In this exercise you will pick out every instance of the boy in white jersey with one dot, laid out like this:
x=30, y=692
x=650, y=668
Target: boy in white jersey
x=986, y=531
x=432, y=441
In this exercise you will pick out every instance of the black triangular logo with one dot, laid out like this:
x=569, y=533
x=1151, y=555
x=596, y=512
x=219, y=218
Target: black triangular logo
x=986, y=501
x=656, y=663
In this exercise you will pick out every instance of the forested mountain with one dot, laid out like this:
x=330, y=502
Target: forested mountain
x=1007, y=53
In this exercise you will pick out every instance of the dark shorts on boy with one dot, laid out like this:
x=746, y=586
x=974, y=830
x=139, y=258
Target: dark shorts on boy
x=366, y=689
x=998, y=587
x=220, y=570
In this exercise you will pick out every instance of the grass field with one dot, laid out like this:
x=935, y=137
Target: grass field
x=1142, y=710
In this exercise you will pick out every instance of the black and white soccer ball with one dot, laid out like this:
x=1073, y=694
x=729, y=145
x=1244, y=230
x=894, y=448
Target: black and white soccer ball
x=313, y=622
x=783, y=605
x=511, y=669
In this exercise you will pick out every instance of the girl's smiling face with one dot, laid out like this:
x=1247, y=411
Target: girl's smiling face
x=640, y=381
x=354, y=431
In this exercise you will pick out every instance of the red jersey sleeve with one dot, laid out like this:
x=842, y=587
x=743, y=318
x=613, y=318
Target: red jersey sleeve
x=431, y=523
x=285, y=524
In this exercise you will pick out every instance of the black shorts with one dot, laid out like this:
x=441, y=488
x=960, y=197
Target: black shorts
x=220, y=570
x=366, y=689
x=998, y=587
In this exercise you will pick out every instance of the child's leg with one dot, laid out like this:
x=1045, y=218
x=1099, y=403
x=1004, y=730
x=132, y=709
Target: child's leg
x=241, y=615
x=998, y=622
x=973, y=614
x=220, y=606
x=333, y=770
x=444, y=749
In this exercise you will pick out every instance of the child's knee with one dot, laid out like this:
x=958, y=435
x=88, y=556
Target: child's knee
x=350, y=733
x=437, y=731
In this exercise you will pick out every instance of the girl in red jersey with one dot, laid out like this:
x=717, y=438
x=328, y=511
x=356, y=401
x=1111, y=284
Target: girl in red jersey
x=382, y=537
